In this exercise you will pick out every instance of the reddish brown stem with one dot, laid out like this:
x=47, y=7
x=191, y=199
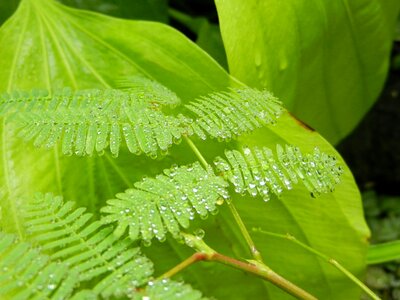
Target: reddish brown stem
x=256, y=268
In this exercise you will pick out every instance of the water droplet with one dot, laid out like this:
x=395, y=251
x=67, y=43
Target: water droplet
x=146, y=243
x=219, y=201
x=199, y=233
x=258, y=59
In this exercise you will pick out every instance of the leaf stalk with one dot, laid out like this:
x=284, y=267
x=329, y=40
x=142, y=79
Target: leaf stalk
x=326, y=258
x=205, y=253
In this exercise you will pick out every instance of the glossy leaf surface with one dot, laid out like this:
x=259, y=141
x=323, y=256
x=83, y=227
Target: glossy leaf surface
x=326, y=60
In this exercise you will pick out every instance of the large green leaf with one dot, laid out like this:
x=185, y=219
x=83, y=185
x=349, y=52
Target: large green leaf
x=326, y=60
x=47, y=45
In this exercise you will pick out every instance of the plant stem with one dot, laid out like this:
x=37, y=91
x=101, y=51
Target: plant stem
x=198, y=256
x=354, y=279
x=197, y=152
x=265, y=273
x=326, y=258
x=259, y=270
x=254, y=252
x=253, y=249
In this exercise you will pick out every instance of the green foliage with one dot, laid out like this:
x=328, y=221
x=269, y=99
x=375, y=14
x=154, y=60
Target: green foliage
x=163, y=204
x=71, y=252
x=46, y=45
x=168, y=290
x=91, y=120
x=28, y=274
x=327, y=70
x=89, y=249
x=262, y=172
x=384, y=252
x=227, y=115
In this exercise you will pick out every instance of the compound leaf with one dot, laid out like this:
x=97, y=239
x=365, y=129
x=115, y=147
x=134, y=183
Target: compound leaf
x=259, y=171
x=91, y=120
x=225, y=115
x=165, y=203
x=168, y=290
x=28, y=274
x=88, y=248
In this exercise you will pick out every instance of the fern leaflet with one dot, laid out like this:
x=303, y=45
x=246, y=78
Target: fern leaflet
x=89, y=121
x=90, y=249
x=28, y=274
x=149, y=89
x=260, y=171
x=162, y=204
x=92, y=120
x=225, y=115
x=168, y=290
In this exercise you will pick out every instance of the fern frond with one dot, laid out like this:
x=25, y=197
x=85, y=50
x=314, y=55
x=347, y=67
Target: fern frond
x=168, y=290
x=90, y=249
x=225, y=115
x=28, y=274
x=260, y=171
x=149, y=89
x=92, y=120
x=162, y=204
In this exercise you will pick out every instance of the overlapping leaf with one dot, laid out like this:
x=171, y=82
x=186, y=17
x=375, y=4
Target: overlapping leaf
x=28, y=274
x=89, y=249
x=259, y=171
x=225, y=115
x=168, y=290
x=326, y=60
x=165, y=203
x=91, y=120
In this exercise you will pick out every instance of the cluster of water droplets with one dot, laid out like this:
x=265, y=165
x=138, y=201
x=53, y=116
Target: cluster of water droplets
x=17, y=100
x=165, y=203
x=167, y=289
x=89, y=121
x=259, y=171
x=133, y=272
x=89, y=249
x=229, y=114
x=151, y=90
x=26, y=273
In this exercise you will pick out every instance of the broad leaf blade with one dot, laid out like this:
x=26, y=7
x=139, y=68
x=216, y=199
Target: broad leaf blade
x=326, y=60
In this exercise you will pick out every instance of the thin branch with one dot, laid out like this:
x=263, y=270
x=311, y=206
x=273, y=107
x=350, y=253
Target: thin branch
x=205, y=253
x=196, y=152
x=326, y=258
x=183, y=265
x=265, y=273
x=253, y=250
